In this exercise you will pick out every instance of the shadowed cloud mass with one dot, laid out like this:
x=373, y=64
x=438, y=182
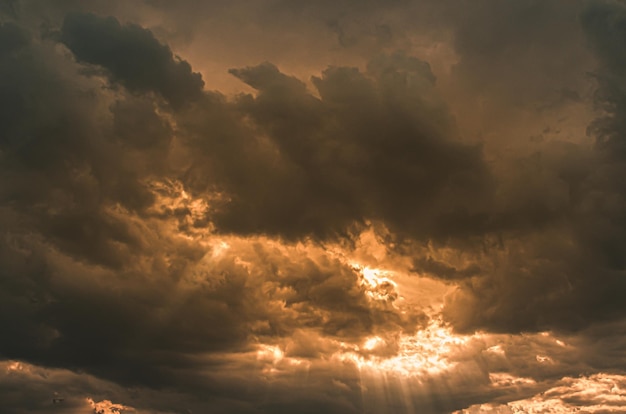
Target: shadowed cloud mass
x=342, y=207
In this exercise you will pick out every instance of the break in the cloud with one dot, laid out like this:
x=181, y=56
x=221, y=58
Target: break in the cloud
x=423, y=213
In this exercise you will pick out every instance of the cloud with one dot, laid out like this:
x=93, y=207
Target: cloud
x=569, y=274
x=420, y=226
x=12, y=38
x=132, y=55
x=375, y=146
x=602, y=22
x=600, y=393
x=518, y=53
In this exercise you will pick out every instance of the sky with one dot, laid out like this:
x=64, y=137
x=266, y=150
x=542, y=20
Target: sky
x=290, y=206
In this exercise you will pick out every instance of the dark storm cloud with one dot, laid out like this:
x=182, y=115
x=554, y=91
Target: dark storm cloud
x=12, y=38
x=73, y=170
x=132, y=55
x=570, y=274
x=518, y=53
x=114, y=208
x=567, y=276
x=377, y=146
x=88, y=284
x=60, y=166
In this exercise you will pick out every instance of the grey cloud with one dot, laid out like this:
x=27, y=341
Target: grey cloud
x=84, y=222
x=12, y=38
x=59, y=162
x=604, y=25
x=557, y=265
x=378, y=145
x=101, y=272
x=521, y=52
x=35, y=389
x=538, y=284
x=570, y=274
x=25, y=388
x=138, y=126
x=374, y=146
x=175, y=327
x=132, y=55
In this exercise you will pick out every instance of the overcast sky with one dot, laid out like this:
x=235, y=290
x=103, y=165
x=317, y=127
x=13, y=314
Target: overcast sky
x=290, y=206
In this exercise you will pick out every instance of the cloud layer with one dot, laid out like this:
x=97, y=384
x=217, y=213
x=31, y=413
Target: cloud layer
x=408, y=218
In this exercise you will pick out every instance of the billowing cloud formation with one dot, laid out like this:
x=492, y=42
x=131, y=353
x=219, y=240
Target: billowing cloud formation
x=572, y=272
x=132, y=55
x=374, y=146
x=414, y=218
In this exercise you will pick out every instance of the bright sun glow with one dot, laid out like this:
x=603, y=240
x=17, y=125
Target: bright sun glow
x=274, y=360
x=270, y=353
x=373, y=343
x=421, y=354
x=375, y=277
x=107, y=407
x=376, y=282
x=425, y=353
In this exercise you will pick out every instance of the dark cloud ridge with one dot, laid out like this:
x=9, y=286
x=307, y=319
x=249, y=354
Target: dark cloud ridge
x=374, y=146
x=132, y=55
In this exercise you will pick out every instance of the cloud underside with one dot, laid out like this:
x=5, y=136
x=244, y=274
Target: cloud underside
x=297, y=246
